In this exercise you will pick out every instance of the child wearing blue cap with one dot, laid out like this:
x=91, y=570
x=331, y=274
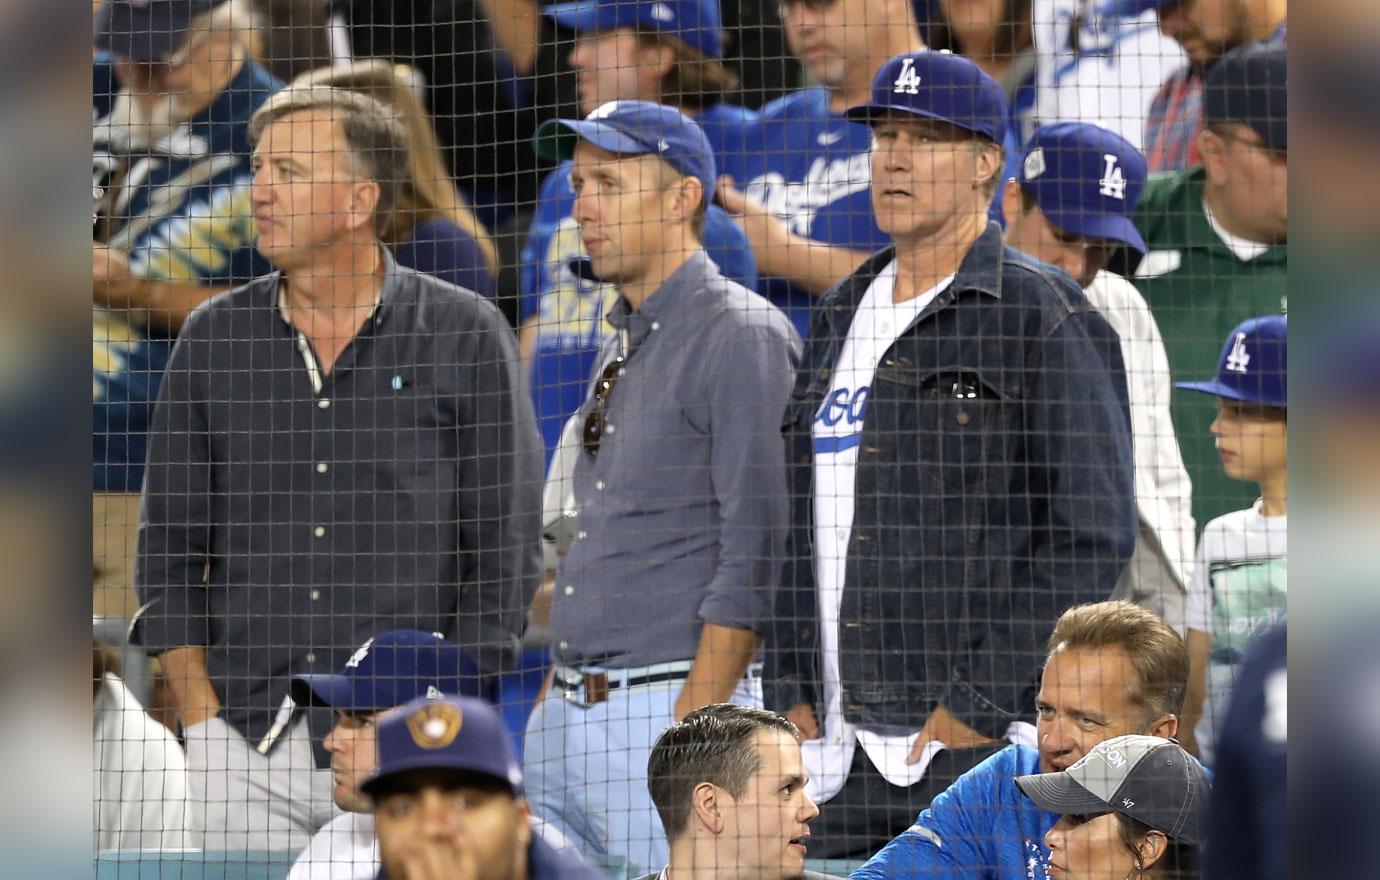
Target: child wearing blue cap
x=1239, y=587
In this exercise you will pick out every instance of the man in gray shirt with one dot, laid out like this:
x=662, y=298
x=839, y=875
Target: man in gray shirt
x=679, y=482
x=340, y=448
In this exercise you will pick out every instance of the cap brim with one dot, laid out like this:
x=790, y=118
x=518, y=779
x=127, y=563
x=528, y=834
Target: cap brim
x=334, y=691
x=868, y=114
x=433, y=761
x=556, y=138
x=582, y=15
x=1058, y=793
x=1221, y=390
x=1105, y=226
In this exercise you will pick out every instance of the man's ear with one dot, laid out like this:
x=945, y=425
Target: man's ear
x=524, y=822
x=364, y=200
x=704, y=807
x=1151, y=849
x=688, y=193
x=1166, y=726
x=989, y=165
x=1212, y=147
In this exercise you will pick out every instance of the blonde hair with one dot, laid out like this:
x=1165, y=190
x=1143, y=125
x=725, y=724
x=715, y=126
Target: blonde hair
x=1156, y=651
x=426, y=190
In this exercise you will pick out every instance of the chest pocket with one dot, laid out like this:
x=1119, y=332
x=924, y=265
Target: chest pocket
x=946, y=426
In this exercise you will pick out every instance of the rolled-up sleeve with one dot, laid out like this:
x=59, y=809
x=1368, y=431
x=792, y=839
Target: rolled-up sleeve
x=752, y=373
x=175, y=523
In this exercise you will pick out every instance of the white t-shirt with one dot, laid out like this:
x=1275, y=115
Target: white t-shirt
x=837, y=430
x=1112, y=77
x=1239, y=590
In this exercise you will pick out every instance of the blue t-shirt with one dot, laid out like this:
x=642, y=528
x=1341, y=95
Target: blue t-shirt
x=571, y=310
x=982, y=826
x=183, y=214
x=441, y=249
x=812, y=168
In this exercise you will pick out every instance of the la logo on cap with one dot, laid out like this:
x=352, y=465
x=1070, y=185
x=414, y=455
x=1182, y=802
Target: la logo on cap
x=358, y=656
x=908, y=81
x=434, y=727
x=1238, y=358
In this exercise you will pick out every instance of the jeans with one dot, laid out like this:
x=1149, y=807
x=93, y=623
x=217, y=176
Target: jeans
x=586, y=768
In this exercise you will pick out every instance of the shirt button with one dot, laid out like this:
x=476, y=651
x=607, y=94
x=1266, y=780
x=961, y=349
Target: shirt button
x=564, y=645
x=656, y=325
x=324, y=403
x=581, y=535
x=608, y=429
x=569, y=590
x=319, y=531
x=599, y=486
x=311, y=658
x=322, y=467
x=315, y=594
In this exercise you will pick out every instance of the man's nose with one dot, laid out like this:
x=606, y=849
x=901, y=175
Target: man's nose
x=811, y=808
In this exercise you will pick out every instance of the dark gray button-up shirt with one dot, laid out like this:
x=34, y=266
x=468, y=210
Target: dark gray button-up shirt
x=288, y=516
x=683, y=511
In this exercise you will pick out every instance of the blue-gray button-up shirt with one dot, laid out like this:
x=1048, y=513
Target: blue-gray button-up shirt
x=289, y=516
x=683, y=512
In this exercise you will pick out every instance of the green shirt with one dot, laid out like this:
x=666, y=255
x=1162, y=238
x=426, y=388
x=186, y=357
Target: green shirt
x=1199, y=290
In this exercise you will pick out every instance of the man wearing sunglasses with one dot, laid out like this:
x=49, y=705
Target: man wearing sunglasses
x=1072, y=206
x=1217, y=247
x=679, y=483
x=172, y=94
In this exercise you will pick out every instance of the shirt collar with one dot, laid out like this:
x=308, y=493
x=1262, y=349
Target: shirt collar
x=982, y=267
x=1244, y=249
x=667, y=302
x=388, y=292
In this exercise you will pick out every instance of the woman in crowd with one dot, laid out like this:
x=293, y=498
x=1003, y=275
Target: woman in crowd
x=432, y=230
x=1134, y=807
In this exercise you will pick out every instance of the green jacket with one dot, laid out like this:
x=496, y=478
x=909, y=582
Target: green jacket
x=1198, y=291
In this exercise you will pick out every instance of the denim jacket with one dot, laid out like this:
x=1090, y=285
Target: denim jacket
x=994, y=489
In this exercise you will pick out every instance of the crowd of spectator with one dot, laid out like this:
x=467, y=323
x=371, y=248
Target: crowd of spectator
x=908, y=378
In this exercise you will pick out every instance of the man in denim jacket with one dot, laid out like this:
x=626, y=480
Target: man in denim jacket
x=961, y=461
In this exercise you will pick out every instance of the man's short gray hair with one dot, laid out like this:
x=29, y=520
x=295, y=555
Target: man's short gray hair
x=375, y=137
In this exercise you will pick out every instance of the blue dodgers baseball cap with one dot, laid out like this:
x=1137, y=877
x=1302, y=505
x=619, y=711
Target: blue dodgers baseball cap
x=1248, y=85
x=146, y=30
x=635, y=128
x=696, y=23
x=390, y=670
x=937, y=85
x=1086, y=180
x=454, y=733
x=1254, y=366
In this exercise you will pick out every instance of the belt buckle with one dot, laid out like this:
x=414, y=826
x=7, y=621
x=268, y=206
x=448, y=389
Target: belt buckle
x=596, y=688
x=584, y=689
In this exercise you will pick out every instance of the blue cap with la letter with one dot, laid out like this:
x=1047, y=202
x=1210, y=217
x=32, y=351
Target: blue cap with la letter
x=1254, y=366
x=937, y=85
x=1086, y=180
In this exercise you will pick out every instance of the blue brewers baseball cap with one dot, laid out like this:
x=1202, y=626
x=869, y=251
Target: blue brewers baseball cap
x=696, y=23
x=146, y=30
x=1086, y=180
x=1254, y=365
x=635, y=128
x=392, y=669
x=455, y=733
x=937, y=85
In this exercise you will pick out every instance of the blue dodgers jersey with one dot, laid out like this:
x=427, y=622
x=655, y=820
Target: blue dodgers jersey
x=570, y=310
x=813, y=169
x=181, y=209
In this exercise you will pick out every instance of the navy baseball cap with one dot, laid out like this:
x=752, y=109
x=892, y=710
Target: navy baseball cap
x=635, y=128
x=390, y=670
x=696, y=23
x=146, y=30
x=937, y=85
x=1254, y=365
x=453, y=733
x=1248, y=85
x=1087, y=180
x=1149, y=778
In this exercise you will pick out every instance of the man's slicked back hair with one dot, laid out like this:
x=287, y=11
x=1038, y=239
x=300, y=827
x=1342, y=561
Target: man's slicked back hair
x=715, y=744
x=1156, y=651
